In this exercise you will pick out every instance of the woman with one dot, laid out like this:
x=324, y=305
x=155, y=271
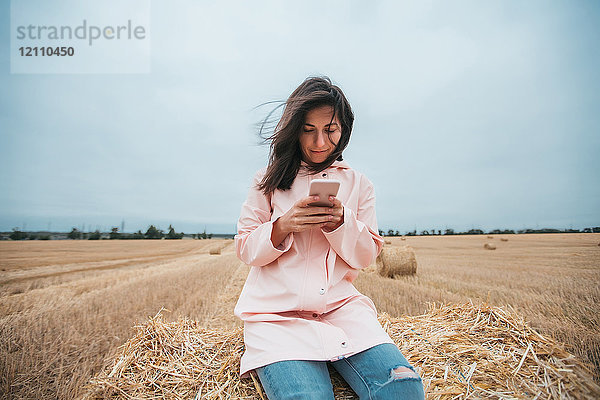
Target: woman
x=299, y=307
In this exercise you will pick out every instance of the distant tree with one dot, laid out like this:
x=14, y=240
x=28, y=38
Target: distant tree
x=32, y=236
x=543, y=230
x=596, y=229
x=439, y=231
x=74, y=234
x=94, y=235
x=474, y=232
x=154, y=233
x=425, y=232
x=45, y=237
x=449, y=231
x=114, y=233
x=548, y=230
x=138, y=235
x=202, y=235
x=390, y=232
x=396, y=233
x=382, y=233
x=172, y=234
x=501, y=231
x=16, y=234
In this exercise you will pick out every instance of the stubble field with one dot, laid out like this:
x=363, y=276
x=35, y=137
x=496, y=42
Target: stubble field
x=66, y=306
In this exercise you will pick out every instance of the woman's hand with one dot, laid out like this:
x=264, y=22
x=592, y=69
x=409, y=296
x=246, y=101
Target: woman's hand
x=302, y=216
x=337, y=211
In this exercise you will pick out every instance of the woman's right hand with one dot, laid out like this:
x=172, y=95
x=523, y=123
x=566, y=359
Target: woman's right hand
x=299, y=218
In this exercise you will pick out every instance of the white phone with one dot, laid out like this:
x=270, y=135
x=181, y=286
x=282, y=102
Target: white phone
x=323, y=188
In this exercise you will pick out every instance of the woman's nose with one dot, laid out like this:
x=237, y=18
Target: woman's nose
x=320, y=139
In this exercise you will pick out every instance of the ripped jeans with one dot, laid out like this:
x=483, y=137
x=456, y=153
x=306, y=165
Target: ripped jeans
x=380, y=372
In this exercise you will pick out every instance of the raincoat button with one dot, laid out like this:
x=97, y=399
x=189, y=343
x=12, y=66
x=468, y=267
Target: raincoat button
x=321, y=291
x=344, y=344
x=315, y=315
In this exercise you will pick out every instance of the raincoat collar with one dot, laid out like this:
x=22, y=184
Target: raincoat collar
x=336, y=164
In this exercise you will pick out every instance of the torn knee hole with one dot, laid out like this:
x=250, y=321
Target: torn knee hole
x=403, y=373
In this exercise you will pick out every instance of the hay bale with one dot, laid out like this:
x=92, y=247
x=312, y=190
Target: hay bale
x=504, y=239
x=402, y=238
x=394, y=261
x=371, y=269
x=490, y=237
x=217, y=246
x=489, y=246
x=387, y=242
x=182, y=360
x=460, y=351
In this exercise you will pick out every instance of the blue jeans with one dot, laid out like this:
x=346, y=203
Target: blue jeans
x=380, y=372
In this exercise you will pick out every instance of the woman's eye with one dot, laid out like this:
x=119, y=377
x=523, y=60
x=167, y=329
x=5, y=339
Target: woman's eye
x=312, y=130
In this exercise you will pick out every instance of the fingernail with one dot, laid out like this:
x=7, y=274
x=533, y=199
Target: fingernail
x=316, y=198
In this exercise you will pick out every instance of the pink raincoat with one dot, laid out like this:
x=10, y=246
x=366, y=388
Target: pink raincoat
x=298, y=302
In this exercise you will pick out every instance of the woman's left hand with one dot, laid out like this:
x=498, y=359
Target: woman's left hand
x=337, y=215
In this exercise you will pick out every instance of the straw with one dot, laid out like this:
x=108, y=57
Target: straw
x=460, y=350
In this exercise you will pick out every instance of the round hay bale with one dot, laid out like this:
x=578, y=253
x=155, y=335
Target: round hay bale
x=388, y=242
x=504, y=239
x=489, y=246
x=490, y=237
x=402, y=238
x=394, y=261
x=215, y=250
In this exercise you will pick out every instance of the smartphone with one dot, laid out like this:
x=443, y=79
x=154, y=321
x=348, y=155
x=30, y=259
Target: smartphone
x=323, y=188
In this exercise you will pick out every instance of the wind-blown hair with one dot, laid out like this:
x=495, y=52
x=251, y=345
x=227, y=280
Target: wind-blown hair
x=285, y=154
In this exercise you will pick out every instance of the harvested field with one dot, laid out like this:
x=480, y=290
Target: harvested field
x=66, y=306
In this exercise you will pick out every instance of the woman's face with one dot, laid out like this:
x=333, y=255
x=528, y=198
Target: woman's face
x=318, y=138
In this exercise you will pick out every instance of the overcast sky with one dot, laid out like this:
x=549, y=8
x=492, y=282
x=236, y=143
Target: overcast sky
x=469, y=114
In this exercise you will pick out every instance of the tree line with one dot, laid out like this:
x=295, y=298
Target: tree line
x=151, y=233
x=449, y=231
x=154, y=233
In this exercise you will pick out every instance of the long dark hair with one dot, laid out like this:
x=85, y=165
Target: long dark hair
x=285, y=154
